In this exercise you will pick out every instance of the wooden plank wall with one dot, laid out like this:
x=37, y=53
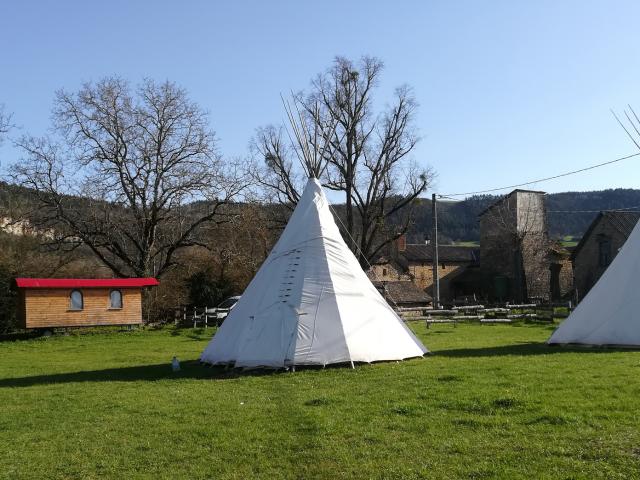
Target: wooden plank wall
x=50, y=308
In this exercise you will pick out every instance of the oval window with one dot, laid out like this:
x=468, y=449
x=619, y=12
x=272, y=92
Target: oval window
x=76, y=300
x=115, y=299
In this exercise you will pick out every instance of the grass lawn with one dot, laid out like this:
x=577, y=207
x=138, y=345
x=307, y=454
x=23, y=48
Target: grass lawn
x=569, y=241
x=467, y=244
x=490, y=402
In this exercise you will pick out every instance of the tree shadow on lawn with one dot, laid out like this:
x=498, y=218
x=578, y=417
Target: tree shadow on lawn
x=529, y=348
x=191, y=369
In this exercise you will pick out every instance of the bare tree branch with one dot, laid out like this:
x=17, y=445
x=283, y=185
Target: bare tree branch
x=132, y=174
x=5, y=123
x=366, y=155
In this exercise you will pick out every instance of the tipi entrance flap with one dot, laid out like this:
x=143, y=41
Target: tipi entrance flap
x=320, y=337
x=267, y=342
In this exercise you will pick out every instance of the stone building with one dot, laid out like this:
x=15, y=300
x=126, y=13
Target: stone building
x=415, y=262
x=389, y=268
x=599, y=246
x=403, y=293
x=452, y=261
x=518, y=262
x=560, y=272
x=513, y=241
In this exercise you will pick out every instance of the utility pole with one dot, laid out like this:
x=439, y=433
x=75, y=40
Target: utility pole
x=434, y=243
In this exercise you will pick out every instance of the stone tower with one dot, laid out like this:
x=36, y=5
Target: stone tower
x=513, y=247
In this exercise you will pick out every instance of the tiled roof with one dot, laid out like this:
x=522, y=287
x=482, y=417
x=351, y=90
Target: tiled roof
x=446, y=253
x=85, y=282
x=403, y=292
x=400, y=263
x=621, y=221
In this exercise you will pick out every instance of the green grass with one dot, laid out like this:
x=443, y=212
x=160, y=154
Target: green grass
x=569, y=241
x=490, y=402
x=471, y=243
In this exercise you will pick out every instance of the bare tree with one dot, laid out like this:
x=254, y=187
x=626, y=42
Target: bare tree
x=367, y=154
x=5, y=123
x=277, y=174
x=133, y=174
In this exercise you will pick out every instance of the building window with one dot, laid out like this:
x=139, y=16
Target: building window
x=76, y=302
x=115, y=299
x=384, y=272
x=604, y=252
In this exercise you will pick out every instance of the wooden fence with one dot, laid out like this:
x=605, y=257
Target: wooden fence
x=507, y=313
x=192, y=316
x=195, y=316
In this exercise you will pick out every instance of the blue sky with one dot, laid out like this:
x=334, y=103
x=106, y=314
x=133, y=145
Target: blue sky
x=509, y=91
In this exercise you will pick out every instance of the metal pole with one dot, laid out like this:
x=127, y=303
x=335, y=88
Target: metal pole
x=434, y=242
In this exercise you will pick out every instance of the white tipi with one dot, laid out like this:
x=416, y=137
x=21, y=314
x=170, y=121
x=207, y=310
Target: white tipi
x=609, y=314
x=311, y=303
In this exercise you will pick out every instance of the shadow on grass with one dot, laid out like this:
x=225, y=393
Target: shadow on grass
x=17, y=336
x=189, y=370
x=192, y=369
x=528, y=348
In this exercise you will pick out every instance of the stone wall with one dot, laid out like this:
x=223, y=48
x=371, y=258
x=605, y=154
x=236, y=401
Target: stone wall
x=587, y=265
x=420, y=274
x=535, y=249
x=423, y=277
x=565, y=278
x=386, y=272
x=531, y=214
x=514, y=246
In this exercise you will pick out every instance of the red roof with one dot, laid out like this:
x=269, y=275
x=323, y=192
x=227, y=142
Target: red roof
x=86, y=282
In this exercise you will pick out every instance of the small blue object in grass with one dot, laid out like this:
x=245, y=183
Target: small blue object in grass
x=175, y=364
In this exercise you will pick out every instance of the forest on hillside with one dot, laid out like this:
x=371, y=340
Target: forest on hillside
x=568, y=214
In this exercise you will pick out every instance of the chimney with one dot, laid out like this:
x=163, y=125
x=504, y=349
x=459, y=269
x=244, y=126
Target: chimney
x=401, y=243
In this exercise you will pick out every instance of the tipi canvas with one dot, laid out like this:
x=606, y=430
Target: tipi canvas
x=608, y=315
x=311, y=303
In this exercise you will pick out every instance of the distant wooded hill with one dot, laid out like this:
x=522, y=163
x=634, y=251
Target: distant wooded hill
x=458, y=221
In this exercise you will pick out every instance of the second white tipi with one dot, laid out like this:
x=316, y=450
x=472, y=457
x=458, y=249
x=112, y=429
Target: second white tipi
x=311, y=303
x=609, y=314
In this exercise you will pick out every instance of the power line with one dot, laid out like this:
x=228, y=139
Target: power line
x=566, y=174
x=622, y=209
